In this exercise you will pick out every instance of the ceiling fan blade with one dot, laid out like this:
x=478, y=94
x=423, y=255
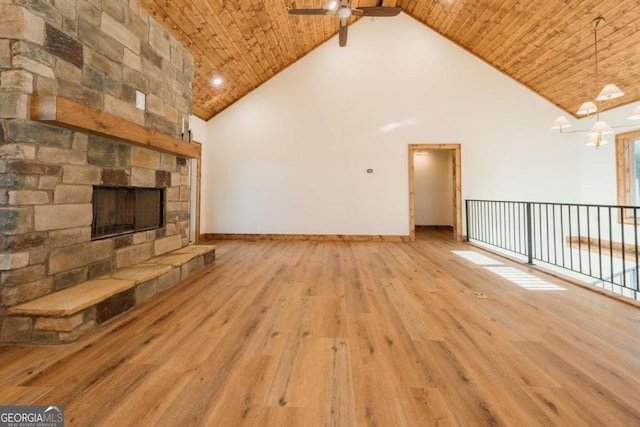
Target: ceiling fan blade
x=376, y=11
x=342, y=36
x=311, y=11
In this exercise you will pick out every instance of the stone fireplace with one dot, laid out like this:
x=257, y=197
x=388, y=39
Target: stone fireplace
x=97, y=54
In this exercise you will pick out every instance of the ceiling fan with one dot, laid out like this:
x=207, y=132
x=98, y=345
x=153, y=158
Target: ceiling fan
x=343, y=10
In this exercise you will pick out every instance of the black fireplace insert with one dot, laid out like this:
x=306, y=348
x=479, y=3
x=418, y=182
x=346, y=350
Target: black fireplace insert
x=121, y=210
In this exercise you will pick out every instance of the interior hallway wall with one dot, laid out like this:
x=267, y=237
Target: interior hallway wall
x=433, y=187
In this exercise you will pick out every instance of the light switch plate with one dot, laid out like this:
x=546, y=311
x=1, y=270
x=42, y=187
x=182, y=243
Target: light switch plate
x=140, y=100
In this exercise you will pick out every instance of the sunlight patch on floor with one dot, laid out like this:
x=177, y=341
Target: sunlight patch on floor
x=525, y=280
x=476, y=258
x=520, y=278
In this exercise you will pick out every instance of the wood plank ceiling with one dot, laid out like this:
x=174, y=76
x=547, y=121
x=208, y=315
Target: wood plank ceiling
x=547, y=45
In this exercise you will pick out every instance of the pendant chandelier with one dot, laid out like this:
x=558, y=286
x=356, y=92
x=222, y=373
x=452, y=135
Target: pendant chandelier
x=592, y=108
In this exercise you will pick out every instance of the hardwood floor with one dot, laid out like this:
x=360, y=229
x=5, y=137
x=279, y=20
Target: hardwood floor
x=344, y=334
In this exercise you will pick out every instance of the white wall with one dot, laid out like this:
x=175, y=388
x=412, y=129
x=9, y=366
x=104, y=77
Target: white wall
x=598, y=183
x=291, y=156
x=199, y=133
x=598, y=177
x=433, y=187
x=198, y=128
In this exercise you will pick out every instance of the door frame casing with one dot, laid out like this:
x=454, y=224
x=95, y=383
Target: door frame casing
x=457, y=186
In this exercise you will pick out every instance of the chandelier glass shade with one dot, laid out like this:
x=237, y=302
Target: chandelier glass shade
x=610, y=91
x=588, y=108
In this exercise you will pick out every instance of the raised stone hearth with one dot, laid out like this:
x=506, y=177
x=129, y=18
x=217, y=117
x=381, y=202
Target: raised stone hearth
x=65, y=315
x=97, y=55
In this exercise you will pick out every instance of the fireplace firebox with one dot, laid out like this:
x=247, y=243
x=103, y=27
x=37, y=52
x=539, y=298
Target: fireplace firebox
x=122, y=210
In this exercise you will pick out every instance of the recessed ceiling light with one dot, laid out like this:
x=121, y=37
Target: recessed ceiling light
x=333, y=5
x=217, y=81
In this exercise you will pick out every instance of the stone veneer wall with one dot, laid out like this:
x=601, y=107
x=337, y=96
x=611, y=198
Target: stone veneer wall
x=97, y=53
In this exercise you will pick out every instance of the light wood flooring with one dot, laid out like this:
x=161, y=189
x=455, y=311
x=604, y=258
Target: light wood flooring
x=346, y=334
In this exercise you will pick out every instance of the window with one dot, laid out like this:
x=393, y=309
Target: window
x=628, y=172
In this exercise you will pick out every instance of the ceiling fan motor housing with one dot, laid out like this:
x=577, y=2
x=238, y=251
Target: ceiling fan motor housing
x=344, y=12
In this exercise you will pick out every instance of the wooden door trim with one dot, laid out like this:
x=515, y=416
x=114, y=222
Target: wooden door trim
x=457, y=180
x=198, y=198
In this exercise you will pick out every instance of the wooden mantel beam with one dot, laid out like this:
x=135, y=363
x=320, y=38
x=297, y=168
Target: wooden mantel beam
x=66, y=113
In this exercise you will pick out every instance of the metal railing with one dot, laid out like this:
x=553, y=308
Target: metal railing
x=597, y=241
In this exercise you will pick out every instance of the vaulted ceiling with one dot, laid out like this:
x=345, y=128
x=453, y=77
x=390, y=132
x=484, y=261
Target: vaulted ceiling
x=547, y=45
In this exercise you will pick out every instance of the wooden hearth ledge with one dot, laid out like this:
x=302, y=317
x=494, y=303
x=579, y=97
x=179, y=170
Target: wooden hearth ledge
x=66, y=113
x=67, y=314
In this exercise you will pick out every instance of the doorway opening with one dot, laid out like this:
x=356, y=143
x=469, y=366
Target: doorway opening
x=446, y=205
